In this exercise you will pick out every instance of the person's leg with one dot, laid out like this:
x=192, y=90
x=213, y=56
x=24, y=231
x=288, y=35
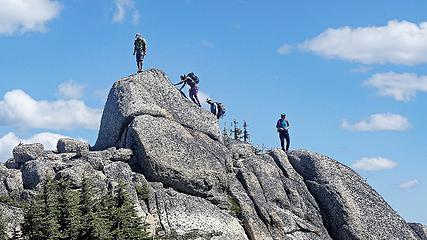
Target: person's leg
x=142, y=60
x=197, y=99
x=282, y=140
x=191, y=93
x=288, y=141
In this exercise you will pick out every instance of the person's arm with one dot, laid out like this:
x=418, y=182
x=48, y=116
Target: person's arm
x=288, y=126
x=183, y=85
x=134, y=49
x=145, y=46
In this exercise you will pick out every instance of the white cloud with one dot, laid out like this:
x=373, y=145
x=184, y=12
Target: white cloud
x=374, y=164
x=284, y=49
x=70, y=90
x=408, y=184
x=10, y=140
x=123, y=7
x=379, y=122
x=399, y=42
x=26, y=15
x=19, y=109
x=401, y=86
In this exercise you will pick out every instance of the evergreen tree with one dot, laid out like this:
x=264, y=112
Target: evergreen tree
x=3, y=235
x=237, y=132
x=245, y=132
x=95, y=220
x=42, y=214
x=225, y=134
x=50, y=210
x=126, y=224
x=33, y=219
x=70, y=217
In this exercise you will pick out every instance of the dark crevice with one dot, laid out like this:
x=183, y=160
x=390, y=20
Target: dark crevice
x=242, y=181
x=123, y=129
x=279, y=164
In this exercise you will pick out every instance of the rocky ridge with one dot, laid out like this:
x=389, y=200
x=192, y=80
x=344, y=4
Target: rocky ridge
x=190, y=183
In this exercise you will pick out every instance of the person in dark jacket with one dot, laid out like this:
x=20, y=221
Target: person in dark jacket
x=140, y=50
x=282, y=126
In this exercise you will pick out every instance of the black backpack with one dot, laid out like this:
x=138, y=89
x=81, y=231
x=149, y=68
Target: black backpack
x=221, y=109
x=194, y=77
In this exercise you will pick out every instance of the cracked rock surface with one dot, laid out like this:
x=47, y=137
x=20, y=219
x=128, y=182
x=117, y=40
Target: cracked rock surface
x=188, y=182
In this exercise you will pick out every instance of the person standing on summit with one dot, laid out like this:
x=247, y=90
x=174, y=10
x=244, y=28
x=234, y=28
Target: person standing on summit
x=282, y=126
x=140, y=49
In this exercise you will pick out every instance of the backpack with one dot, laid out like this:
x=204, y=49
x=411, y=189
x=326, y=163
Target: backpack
x=140, y=44
x=221, y=109
x=194, y=77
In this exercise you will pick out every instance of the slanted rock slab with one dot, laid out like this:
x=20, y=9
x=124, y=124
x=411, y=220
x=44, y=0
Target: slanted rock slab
x=351, y=209
x=179, y=157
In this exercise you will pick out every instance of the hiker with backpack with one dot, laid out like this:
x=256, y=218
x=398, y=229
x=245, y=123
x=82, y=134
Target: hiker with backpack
x=140, y=49
x=193, y=82
x=282, y=126
x=217, y=108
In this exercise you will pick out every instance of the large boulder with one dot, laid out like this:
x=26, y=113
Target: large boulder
x=27, y=152
x=187, y=217
x=351, y=209
x=68, y=145
x=279, y=199
x=37, y=171
x=149, y=93
x=10, y=181
x=179, y=157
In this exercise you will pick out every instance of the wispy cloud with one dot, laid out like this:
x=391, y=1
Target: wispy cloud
x=379, y=122
x=398, y=42
x=401, y=86
x=124, y=8
x=70, y=90
x=10, y=140
x=284, y=49
x=374, y=164
x=408, y=184
x=18, y=109
x=26, y=15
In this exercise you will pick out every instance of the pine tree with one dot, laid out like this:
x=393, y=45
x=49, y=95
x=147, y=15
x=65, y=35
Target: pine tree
x=245, y=132
x=70, y=218
x=237, y=132
x=42, y=214
x=51, y=210
x=225, y=134
x=126, y=224
x=33, y=219
x=3, y=235
x=95, y=214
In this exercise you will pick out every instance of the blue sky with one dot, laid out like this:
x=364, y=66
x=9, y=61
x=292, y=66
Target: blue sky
x=350, y=76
